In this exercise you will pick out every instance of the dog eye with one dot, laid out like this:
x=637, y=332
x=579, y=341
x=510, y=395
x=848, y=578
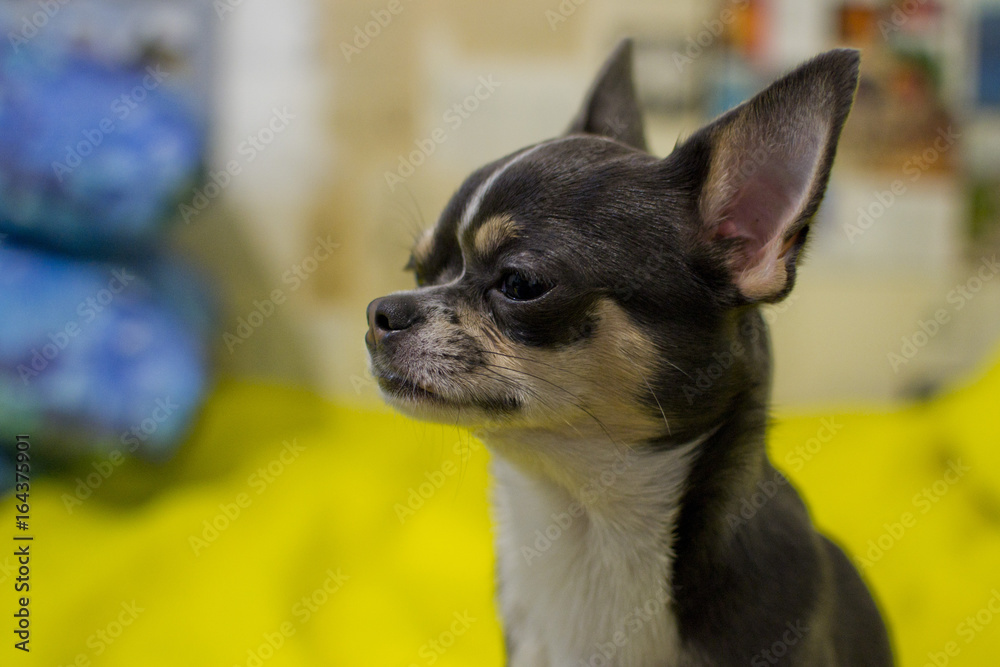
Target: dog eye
x=518, y=287
x=418, y=275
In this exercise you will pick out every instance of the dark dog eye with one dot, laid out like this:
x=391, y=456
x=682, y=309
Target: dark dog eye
x=518, y=287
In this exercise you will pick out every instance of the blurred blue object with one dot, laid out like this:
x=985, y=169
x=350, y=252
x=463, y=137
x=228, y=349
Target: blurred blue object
x=732, y=83
x=93, y=158
x=988, y=57
x=99, y=357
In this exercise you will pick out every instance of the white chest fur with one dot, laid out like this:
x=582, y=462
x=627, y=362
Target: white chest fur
x=584, y=548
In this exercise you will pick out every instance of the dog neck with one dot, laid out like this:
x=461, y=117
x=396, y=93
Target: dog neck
x=585, y=546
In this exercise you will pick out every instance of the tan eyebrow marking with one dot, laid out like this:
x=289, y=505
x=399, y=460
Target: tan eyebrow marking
x=422, y=248
x=493, y=233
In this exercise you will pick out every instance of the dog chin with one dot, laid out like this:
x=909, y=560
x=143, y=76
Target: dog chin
x=429, y=404
x=424, y=404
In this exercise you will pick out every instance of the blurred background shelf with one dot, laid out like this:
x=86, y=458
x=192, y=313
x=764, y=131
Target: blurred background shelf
x=318, y=109
x=359, y=114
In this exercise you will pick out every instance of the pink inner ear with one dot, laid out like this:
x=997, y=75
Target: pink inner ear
x=771, y=190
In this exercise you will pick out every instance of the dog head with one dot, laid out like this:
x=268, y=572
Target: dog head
x=583, y=285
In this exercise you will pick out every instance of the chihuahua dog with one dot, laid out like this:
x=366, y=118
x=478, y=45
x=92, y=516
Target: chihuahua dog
x=593, y=313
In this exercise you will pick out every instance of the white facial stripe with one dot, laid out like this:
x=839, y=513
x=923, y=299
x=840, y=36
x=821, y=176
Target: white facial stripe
x=472, y=208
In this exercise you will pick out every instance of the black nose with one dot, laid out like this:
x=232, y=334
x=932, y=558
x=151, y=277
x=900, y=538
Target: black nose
x=388, y=315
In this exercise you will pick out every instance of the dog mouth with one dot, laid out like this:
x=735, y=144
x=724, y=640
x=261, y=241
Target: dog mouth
x=404, y=392
x=400, y=388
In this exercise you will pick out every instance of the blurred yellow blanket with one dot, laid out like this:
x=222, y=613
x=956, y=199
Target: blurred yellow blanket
x=294, y=532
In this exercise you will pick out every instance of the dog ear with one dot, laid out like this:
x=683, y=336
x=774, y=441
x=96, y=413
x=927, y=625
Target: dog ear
x=768, y=165
x=611, y=108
